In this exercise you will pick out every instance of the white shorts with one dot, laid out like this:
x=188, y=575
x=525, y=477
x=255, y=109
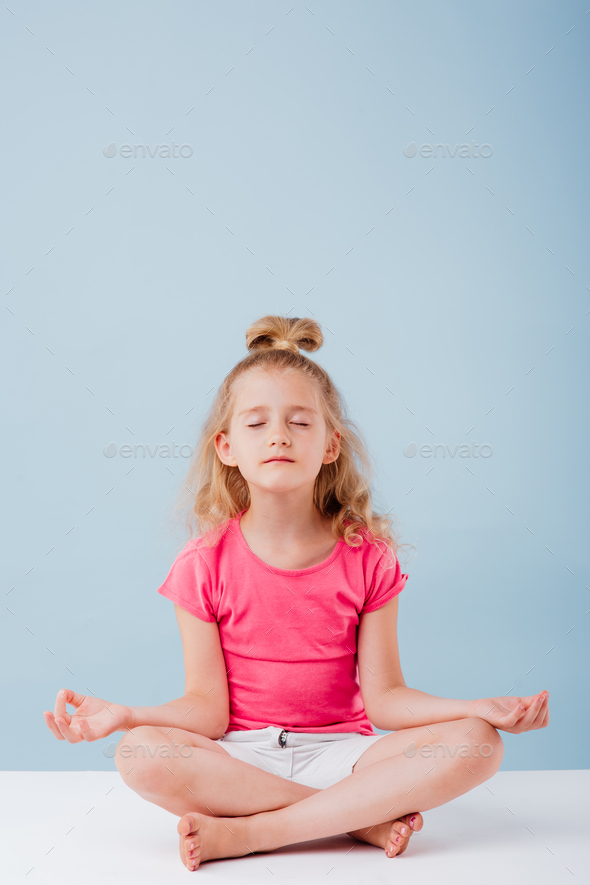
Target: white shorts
x=316, y=760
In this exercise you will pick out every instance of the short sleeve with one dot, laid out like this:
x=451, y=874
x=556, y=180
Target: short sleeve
x=385, y=582
x=188, y=584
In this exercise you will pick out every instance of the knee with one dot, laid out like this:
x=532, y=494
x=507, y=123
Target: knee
x=486, y=747
x=137, y=757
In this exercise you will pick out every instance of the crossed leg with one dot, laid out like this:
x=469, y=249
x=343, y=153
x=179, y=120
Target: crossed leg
x=223, y=786
x=207, y=779
x=229, y=808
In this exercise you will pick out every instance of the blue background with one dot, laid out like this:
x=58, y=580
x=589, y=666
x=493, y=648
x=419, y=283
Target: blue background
x=453, y=294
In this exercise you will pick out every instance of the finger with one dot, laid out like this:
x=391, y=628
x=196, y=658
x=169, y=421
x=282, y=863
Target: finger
x=528, y=720
x=50, y=721
x=60, y=724
x=504, y=721
x=538, y=720
x=88, y=734
x=69, y=733
x=543, y=715
x=513, y=717
x=60, y=706
x=540, y=703
x=67, y=696
x=74, y=698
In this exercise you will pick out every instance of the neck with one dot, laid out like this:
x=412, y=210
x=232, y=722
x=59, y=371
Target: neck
x=284, y=520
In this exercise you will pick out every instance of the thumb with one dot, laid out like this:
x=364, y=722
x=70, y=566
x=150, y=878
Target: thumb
x=73, y=697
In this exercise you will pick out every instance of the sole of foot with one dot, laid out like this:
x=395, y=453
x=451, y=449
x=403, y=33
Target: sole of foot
x=205, y=838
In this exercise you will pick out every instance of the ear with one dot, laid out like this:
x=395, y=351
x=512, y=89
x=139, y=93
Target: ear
x=333, y=448
x=223, y=449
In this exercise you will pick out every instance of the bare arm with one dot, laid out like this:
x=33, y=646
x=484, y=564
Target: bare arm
x=405, y=707
x=204, y=707
x=389, y=703
x=193, y=712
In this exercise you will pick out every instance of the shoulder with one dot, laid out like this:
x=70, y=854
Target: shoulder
x=381, y=572
x=207, y=547
x=373, y=552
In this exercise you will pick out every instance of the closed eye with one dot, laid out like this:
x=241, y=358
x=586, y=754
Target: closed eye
x=297, y=423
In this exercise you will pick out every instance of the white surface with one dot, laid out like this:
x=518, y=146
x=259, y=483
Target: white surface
x=88, y=827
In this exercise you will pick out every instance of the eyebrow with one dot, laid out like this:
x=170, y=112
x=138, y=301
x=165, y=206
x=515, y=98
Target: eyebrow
x=290, y=408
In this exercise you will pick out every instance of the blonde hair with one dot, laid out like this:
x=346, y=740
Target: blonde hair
x=214, y=492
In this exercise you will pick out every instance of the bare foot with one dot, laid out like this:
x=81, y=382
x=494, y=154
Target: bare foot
x=394, y=836
x=205, y=838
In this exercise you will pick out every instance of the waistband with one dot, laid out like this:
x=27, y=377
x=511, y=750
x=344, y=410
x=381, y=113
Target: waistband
x=273, y=733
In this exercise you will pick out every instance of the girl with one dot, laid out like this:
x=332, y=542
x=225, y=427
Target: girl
x=287, y=605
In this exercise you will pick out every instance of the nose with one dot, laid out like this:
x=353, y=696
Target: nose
x=278, y=437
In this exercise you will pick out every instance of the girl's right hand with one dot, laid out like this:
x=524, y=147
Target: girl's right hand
x=93, y=719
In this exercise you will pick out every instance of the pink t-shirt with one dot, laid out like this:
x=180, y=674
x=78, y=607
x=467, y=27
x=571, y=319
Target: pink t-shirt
x=288, y=636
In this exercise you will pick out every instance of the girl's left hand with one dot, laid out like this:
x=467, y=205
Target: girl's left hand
x=514, y=714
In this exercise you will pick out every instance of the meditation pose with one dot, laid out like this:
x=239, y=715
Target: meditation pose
x=286, y=596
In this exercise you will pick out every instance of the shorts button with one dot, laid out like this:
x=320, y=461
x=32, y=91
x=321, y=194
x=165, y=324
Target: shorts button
x=283, y=738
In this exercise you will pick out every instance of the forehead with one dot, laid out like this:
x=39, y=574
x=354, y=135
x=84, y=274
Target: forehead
x=275, y=390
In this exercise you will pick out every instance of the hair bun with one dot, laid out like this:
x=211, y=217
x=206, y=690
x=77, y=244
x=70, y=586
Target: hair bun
x=284, y=333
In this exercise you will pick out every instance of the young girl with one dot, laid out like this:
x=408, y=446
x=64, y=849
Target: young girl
x=287, y=605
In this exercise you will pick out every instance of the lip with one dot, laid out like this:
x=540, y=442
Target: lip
x=288, y=460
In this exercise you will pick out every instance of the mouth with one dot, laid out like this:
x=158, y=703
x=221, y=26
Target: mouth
x=287, y=460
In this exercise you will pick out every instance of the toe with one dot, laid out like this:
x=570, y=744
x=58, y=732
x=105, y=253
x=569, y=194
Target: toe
x=399, y=836
x=192, y=846
x=400, y=830
x=391, y=849
x=416, y=821
x=190, y=840
x=193, y=859
x=395, y=840
x=188, y=823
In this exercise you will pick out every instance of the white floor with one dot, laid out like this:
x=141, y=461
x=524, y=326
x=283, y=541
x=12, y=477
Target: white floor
x=87, y=827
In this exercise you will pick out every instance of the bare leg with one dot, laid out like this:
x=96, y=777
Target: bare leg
x=365, y=798
x=212, y=782
x=208, y=780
